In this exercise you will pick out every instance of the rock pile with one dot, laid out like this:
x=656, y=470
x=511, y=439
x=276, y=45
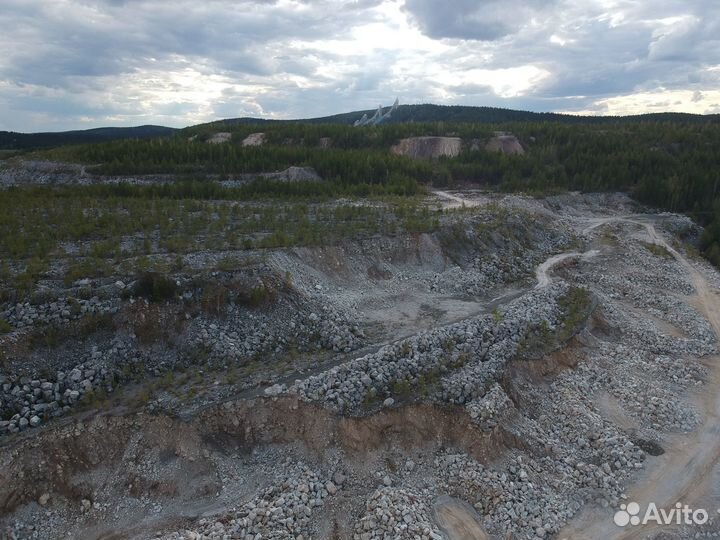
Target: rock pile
x=254, y=139
x=29, y=402
x=62, y=310
x=220, y=137
x=479, y=346
x=493, y=409
x=499, y=247
x=242, y=334
x=279, y=512
x=397, y=514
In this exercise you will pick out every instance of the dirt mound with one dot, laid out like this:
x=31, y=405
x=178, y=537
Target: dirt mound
x=505, y=143
x=428, y=147
x=219, y=138
x=254, y=139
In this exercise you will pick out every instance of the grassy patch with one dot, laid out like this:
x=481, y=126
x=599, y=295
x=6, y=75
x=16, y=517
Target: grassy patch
x=657, y=250
x=575, y=305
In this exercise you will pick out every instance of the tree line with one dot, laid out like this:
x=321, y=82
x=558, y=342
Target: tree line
x=672, y=165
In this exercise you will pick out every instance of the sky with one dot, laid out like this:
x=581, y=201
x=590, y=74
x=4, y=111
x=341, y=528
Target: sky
x=77, y=64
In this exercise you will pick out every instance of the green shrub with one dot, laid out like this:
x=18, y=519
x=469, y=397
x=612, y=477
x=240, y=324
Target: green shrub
x=658, y=250
x=228, y=264
x=155, y=287
x=87, y=268
x=401, y=389
x=5, y=326
x=214, y=298
x=574, y=304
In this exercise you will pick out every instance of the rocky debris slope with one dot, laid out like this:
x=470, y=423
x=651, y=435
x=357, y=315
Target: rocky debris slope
x=56, y=379
x=277, y=513
x=500, y=245
x=62, y=310
x=21, y=172
x=18, y=172
x=477, y=348
x=571, y=427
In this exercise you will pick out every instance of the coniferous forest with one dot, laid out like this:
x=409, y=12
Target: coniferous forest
x=671, y=164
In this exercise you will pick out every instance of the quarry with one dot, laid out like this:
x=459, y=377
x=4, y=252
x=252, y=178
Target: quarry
x=519, y=371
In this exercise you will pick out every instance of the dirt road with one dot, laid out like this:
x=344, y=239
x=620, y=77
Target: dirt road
x=542, y=272
x=682, y=474
x=456, y=201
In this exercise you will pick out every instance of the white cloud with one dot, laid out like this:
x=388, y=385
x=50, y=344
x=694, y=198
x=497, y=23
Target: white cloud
x=687, y=101
x=81, y=63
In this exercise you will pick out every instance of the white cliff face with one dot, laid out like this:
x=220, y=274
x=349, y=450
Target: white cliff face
x=428, y=147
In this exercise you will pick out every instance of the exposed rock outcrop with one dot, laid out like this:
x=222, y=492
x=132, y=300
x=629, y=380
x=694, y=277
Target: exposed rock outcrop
x=428, y=147
x=219, y=138
x=505, y=143
x=254, y=139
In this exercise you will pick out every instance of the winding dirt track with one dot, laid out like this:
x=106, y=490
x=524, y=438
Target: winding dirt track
x=682, y=474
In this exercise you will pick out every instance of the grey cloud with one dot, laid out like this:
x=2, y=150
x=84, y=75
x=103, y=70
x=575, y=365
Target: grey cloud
x=63, y=64
x=484, y=20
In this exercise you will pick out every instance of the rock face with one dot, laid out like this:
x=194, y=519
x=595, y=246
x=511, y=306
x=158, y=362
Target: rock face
x=428, y=147
x=254, y=139
x=505, y=143
x=219, y=138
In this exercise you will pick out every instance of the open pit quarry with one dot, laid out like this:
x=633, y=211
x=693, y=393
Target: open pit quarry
x=520, y=373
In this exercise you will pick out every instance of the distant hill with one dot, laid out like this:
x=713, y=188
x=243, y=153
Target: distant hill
x=493, y=115
x=10, y=140
x=405, y=113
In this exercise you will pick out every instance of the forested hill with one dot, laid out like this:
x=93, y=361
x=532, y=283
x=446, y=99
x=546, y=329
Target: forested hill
x=469, y=114
x=10, y=140
x=405, y=114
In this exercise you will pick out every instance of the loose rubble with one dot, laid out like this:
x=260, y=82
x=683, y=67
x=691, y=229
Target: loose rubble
x=558, y=406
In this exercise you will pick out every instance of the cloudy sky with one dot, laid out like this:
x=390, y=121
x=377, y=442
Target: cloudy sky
x=68, y=64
